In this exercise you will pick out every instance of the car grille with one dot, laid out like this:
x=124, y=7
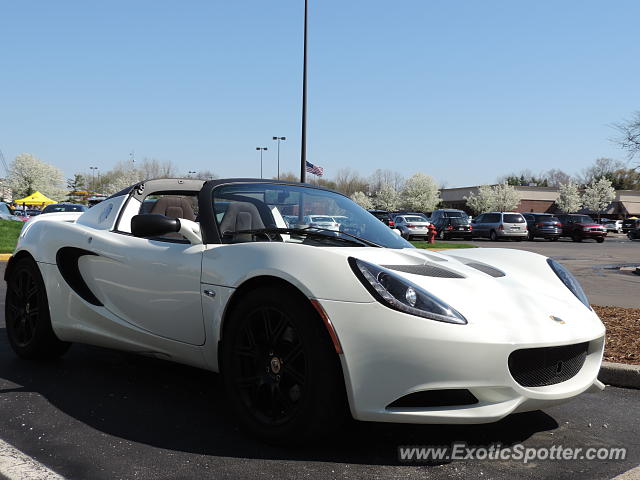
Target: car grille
x=539, y=367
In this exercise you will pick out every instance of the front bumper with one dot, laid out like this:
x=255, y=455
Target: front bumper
x=389, y=354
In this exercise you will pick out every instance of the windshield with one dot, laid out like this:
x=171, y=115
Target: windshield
x=583, y=219
x=242, y=208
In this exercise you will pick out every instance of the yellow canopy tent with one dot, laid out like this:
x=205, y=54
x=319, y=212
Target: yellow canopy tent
x=35, y=199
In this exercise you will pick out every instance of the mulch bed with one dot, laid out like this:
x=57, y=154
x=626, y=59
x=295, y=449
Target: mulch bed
x=623, y=334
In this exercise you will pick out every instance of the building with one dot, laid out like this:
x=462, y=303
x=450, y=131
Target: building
x=5, y=191
x=542, y=199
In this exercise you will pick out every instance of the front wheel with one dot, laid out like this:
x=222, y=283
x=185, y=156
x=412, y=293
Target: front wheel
x=576, y=238
x=600, y=239
x=281, y=373
x=27, y=317
x=441, y=235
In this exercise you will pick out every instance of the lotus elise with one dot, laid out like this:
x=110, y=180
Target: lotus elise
x=306, y=324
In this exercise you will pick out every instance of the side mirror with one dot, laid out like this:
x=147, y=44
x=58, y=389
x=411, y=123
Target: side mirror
x=153, y=225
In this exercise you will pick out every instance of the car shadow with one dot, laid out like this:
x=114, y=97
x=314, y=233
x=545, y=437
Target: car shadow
x=180, y=408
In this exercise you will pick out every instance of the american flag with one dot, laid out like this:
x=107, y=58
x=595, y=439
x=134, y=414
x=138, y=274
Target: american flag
x=315, y=169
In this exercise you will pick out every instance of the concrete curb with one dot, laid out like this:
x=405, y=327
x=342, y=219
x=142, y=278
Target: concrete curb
x=620, y=375
x=4, y=257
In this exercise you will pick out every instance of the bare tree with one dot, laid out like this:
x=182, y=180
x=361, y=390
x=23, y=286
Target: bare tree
x=153, y=168
x=602, y=168
x=381, y=177
x=556, y=177
x=349, y=181
x=629, y=138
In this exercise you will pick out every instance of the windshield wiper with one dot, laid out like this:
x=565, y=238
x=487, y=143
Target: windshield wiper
x=316, y=232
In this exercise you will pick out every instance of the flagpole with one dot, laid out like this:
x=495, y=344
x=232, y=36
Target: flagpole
x=303, y=138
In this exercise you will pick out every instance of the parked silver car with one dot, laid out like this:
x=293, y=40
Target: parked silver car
x=495, y=225
x=613, y=225
x=411, y=226
x=322, y=221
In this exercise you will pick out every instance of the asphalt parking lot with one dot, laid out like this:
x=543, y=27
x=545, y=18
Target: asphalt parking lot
x=100, y=414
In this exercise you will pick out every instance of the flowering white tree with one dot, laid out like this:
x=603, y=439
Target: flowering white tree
x=598, y=195
x=569, y=200
x=420, y=193
x=28, y=175
x=506, y=197
x=362, y=199
x=482, y=201
x=120, y=178
x=386, y=198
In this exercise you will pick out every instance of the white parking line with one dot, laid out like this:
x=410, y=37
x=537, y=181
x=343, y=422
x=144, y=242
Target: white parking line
x=633, y=474
x=15, y=465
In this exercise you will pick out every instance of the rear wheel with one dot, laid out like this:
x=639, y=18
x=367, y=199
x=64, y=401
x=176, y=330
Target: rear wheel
x=576, y=238
x=600, y=239
x=493, y=236
x=531, y=236
x=441, y=235
x=27, y=317
x=281, y=372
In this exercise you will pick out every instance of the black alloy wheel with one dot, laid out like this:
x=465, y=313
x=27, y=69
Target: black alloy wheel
x=27, y=316
x=281, y=372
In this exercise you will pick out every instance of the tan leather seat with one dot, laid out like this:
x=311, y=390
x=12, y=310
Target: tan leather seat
x=174, y=206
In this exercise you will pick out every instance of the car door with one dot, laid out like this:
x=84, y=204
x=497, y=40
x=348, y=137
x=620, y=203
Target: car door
x=151, y=283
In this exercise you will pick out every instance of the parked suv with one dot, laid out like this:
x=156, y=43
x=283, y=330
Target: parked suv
x=579, y=227
x=495, y=225
x=412, y=226
x=630, y=224
x=451, y=227
x=383, y=216
x=448, y=213
x=543, y=225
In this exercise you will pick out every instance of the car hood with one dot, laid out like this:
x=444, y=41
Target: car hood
x=503, y=288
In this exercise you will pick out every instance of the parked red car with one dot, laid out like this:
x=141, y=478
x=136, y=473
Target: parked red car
x=579, y=227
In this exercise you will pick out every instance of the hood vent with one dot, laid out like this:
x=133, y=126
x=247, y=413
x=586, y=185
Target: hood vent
x=425, y=270
x=488, y=269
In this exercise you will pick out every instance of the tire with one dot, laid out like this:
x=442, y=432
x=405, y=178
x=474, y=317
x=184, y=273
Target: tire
x=553, y=239
x=518, y=239
x=576, y=238
x=441, y=235
x=29, y=326
x=600, y=239
x=493, y=237
x=531, y=237
x=281, y=373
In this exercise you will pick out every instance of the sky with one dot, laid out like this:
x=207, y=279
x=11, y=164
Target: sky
x=464, y=91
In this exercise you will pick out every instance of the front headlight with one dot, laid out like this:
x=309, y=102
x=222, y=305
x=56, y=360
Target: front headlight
x=569, y=280
x=400, y=294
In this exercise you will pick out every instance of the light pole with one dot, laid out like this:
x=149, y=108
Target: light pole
x=303, y=138
x=278, y=139
x=93, y=176
x=262, y=149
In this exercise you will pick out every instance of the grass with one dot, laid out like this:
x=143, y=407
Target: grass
x=442, y=245
x=9, y=233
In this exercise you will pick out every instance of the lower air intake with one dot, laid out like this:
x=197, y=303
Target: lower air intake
x=540, y=367
x=435, y=398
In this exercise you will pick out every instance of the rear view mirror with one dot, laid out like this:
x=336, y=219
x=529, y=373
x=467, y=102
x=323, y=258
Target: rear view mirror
x=153, y=225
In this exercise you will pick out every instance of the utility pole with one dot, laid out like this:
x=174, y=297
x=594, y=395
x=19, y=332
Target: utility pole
x=303, y=138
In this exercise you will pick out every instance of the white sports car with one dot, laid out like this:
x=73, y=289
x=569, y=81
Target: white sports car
x=305, y=324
